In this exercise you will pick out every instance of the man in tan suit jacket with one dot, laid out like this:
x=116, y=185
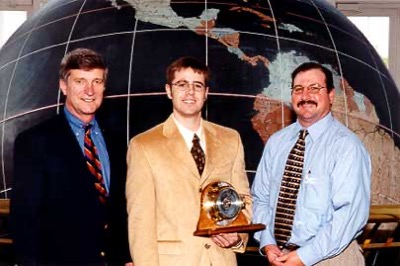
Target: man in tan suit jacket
x=164, y=185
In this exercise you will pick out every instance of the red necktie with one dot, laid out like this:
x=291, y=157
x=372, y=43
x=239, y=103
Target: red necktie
x=94, y=165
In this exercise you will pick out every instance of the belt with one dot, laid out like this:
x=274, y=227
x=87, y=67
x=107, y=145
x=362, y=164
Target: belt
x=288, y=247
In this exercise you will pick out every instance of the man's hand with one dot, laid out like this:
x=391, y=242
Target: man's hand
x=226, y=240
x=290, y=259
x=277, y=257
x=272, y=252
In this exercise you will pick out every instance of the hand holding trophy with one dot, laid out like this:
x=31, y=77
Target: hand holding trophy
x=221, y=211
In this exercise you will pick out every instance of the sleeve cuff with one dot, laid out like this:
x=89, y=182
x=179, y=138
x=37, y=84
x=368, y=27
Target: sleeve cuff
x=239, y=244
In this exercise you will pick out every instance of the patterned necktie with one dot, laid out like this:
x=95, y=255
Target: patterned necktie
x=198, y=154
x=94, y=165
x=288, y=192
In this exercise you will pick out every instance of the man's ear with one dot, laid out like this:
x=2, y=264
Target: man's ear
x=168, y=89
x=206, y=94
x=331, y=96
x=63, y=86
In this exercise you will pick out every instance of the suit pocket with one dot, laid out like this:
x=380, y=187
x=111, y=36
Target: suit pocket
x=170, y=247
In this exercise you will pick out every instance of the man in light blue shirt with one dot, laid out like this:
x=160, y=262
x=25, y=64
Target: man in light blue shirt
x=334, y=196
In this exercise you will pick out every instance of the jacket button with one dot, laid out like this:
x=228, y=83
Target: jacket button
x=207, y=246
x=102, y=254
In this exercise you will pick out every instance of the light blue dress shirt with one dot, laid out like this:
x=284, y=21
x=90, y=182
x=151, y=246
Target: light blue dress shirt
x=334, y=197
x=79, y=131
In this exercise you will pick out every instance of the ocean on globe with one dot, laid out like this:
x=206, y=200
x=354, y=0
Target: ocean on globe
x=251, y=46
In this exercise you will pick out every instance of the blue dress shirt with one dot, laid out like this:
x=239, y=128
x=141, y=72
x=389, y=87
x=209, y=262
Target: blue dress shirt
x=78, y=128
x=334, y=197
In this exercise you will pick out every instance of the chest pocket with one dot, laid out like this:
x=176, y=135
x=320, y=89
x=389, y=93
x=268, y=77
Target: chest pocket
x=316, y=191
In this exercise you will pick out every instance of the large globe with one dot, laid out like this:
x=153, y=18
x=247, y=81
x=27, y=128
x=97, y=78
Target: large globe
x=251, y=46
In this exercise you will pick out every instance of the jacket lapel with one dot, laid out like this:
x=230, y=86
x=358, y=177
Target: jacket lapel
x=213, y=146
x=176, y=145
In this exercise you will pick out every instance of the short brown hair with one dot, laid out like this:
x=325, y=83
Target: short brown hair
x=187, y=62
x=81, y=58
x=315, y=65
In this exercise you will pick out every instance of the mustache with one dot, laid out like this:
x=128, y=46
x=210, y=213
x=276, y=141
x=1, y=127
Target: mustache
x=306, y=102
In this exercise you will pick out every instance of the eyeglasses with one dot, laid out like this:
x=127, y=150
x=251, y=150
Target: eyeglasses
x=312, y=89
x=184, y=85
x=84, y=83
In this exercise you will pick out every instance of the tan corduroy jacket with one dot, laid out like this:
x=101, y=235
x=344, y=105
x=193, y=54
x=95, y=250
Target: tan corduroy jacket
x=163, y=195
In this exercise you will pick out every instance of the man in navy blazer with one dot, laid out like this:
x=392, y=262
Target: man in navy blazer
x=56, y=215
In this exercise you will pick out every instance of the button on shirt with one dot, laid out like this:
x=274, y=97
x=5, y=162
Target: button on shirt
x=78, y=128
x=333, y=200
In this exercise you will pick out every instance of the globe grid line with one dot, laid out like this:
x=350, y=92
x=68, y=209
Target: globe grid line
x=160, y=30
x=130, y=81
x=3, y=170
x=338, y=62
x=206, y=36
x=67, y=45
x=280, y=63
x=55, y=21
x=385, y=94
x=228, y=95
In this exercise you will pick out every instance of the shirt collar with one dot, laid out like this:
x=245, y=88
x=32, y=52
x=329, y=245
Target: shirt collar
x=318, y=128
x=187, y=134
x=76, y=124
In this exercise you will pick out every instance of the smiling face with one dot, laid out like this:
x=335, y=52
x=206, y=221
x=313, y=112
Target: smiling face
x=187, y=103
x=310, y=107
x=84, y=92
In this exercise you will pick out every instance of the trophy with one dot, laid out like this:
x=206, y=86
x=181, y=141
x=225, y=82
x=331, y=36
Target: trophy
x=221, y=211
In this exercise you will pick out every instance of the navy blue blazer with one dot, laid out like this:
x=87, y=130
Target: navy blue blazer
x=56, y=217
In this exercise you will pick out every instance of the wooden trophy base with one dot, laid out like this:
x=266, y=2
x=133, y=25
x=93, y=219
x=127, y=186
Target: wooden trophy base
x=229, y=229
x=208, y=227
